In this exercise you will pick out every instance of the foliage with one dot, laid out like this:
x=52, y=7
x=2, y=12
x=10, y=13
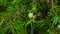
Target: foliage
x=15, y=17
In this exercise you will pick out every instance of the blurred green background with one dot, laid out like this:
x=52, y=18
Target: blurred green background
x=29, y=16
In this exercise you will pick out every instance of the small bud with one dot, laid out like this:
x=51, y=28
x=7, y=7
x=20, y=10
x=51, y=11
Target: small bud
x=30, y=15
x=35, y=16
x=39, y=14
x=58, y=26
